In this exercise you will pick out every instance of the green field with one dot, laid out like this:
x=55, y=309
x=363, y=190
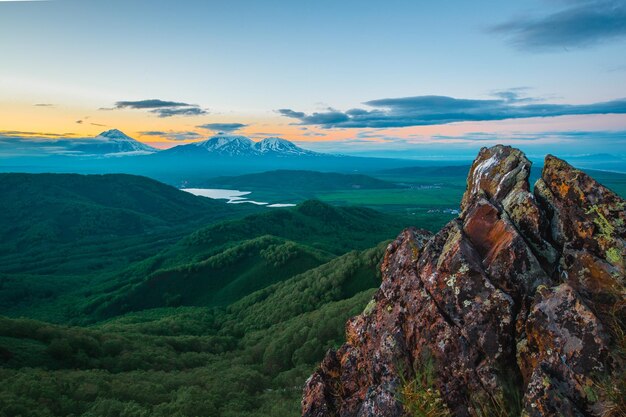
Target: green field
x=426, y=195
x=427, y=199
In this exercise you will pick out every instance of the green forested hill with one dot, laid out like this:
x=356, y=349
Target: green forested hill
x=202, y=311
x=46, y=209
x=88, y=280
x=321, y=225
x=219, y=279
x=248, y=359
x=226, y=261
x=62, y=233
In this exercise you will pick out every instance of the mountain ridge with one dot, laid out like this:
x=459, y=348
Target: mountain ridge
x=45, y=208
x=239, y=146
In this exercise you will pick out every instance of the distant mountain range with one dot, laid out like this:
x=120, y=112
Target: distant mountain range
x=115, y=143
x=234, y=145
x=192, y=164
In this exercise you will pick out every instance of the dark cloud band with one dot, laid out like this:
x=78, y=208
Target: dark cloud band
x=172, y=135
x=223, y=127
x=439, y=110
x=585, y=24
x=149, y=104
x=182, y=111
x=162, y=108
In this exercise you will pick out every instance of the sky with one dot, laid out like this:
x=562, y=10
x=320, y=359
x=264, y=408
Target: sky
x=415, y=79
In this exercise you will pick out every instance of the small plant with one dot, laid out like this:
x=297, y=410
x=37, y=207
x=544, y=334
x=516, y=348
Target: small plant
x=612, y=389
x=496, y=407
x=419, y=395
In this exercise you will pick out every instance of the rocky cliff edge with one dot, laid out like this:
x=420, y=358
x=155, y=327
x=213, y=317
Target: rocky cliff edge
x=517, y=307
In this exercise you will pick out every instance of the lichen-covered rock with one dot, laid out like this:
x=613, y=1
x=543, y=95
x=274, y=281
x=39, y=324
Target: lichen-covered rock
x=589, y=224
x=565, y=346
x=505, y=254
x=496, y=314
x=495, y=173
x=524, y=212
x=550, y=395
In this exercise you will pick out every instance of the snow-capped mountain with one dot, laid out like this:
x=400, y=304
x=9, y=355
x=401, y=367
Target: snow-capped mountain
x=228, y=145
x=280, y=146
x=235, y=145
x=111, y=143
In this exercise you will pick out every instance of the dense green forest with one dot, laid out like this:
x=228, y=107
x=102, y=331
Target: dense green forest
x=45, y=210
x=249, y=358
x=203, y=309
x=162, y=303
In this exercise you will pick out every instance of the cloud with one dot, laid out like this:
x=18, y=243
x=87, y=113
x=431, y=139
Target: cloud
x=515, y=94
x=20, y=133
x=331, y=117
x=440, y=110
x=161, y=108
x=149, y=104
x=223, y=127
x=152, y=133
x=172, y=135
x=261, y=135
x=183, y=111
x=291, y=113
x=313, y=134
x=583, y=136
x=80, y=122
x=583, y=24
x=43, y=105
x=465, y=145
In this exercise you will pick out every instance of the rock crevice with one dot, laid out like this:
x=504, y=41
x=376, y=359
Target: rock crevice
x=514, y=308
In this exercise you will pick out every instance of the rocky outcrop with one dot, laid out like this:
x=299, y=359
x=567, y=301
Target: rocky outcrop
x=514, y=308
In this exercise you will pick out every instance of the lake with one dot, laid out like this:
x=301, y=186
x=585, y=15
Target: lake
x=233, y=196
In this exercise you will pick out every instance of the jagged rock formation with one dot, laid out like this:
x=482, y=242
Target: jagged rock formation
x=514, y=308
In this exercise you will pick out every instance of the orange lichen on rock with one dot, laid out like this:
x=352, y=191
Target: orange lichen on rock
x=514, y=307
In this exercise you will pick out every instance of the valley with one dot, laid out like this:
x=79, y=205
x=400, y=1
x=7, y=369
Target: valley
x=312, y=209
x=216, y=294
x=230, y=304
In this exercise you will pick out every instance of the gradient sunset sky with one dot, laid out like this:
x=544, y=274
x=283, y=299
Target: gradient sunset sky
x=388, y=78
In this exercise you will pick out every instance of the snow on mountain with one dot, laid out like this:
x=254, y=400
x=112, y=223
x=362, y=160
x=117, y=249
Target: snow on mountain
x=228, y=145
x=235, y=145
x=119, y=142
x=280, y=146
x=112, y=143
